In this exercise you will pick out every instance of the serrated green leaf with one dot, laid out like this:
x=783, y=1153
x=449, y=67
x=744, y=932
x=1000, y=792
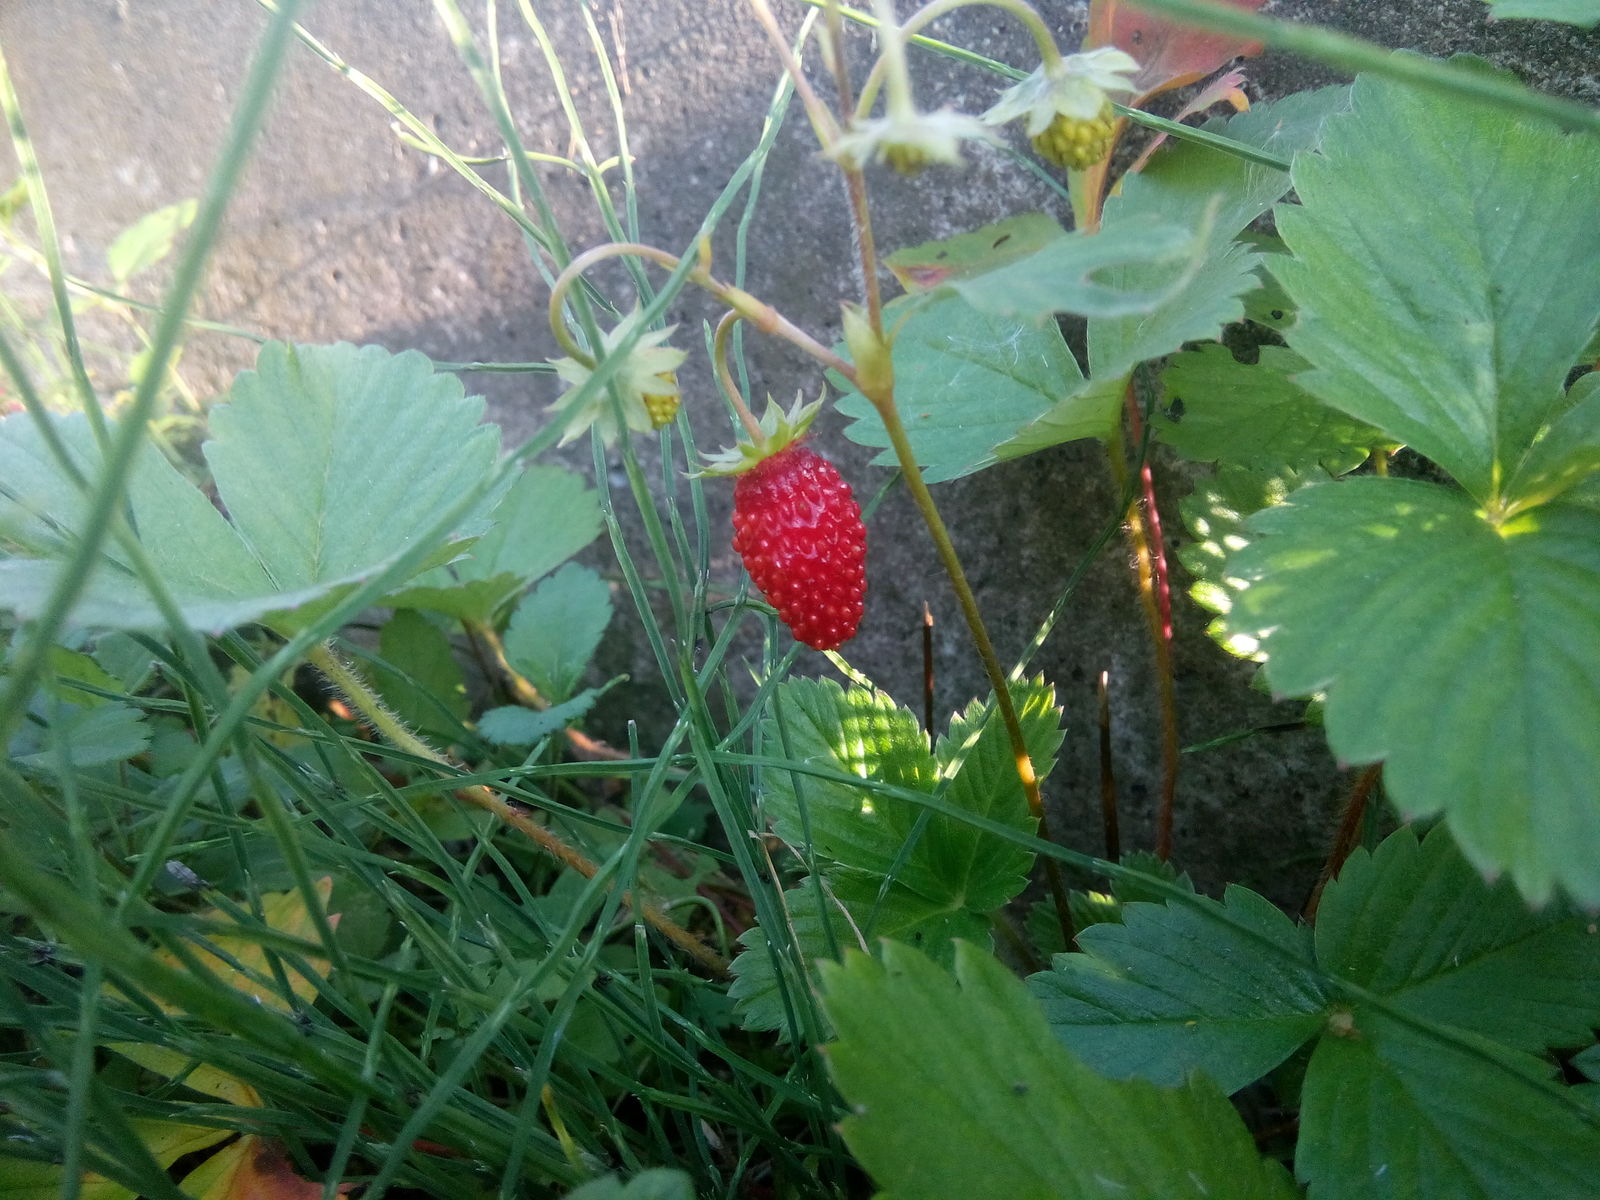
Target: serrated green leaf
x=965, y=381
x=1255, y=414
x=1176, y=988
x=89, y=737
x=1453, y=330
x=850, y=912
x=1415, y=923
x=328, y=458
x=856, y=732
x=1463, y=656
x=330, y=461
x=419, y=677
x=1216, y=195
x=148, y=240
x=861, y=732
x=1390, y=1114
x=546, y=517
x=510, y=725
x=555, y=630
x=958, y=1090
x=1574, y=12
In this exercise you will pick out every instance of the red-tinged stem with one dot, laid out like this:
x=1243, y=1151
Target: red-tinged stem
x=1349, y=834
x=1108, y=778
x=1160, y=630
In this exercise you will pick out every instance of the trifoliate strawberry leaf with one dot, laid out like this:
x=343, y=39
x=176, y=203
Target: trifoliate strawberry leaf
x=1415, y=923
x=1175, y=988
x=1574, y=12
x=957, y=1089
x=555, y=630
x=329, y=460
x=1255, y=414
x=1464, y=656
x=1452, y=330
x=965, y=381
x=849, y=916
x=1390, y=1113
x=859, y=732
x=1214, y=194
x=546, y=517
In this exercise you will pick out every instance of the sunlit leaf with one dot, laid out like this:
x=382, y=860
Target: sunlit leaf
x=1574, y=12
x=957, y=1089
x=1464, y=656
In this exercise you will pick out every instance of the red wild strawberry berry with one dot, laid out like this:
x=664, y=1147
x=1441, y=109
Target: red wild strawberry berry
x=801, y=537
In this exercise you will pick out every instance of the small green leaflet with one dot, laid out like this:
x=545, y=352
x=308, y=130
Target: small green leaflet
x=511, y=725
x=419, y=676
x=148, y=240
x=1453, y=330
x=1464, y=657
x=957, y=1090
x=555, y=630
x=886, y=866
x=84, y=737
x=331, y=461
x=1574, y=12
x=546, y=517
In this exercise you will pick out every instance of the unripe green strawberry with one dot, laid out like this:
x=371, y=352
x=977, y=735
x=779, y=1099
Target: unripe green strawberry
x=1072, y=142
x=800, y=534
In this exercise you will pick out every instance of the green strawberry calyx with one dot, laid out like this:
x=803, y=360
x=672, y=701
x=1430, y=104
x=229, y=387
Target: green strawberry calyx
x=779, y=430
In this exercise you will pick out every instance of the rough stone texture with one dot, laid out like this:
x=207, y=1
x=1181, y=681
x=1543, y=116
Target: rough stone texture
x=340, y=232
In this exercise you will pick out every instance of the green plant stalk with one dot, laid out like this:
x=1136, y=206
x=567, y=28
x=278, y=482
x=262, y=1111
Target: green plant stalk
x=1355, y=55
x=890, y=415
x=359, y=693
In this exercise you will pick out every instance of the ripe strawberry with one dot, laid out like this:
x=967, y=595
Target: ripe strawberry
x=801, y=537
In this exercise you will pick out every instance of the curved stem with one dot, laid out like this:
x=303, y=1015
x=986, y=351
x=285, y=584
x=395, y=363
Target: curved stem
x=719, y=356
x=360, y=695
x=1049, y=52
x=757, y=312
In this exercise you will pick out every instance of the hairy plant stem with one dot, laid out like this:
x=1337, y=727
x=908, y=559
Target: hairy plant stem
x=359, y=694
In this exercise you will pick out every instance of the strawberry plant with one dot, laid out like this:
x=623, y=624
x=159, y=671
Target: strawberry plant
x=326, y=866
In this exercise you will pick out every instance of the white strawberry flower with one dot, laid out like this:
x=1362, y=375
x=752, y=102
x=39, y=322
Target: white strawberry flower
x=1074, y=86
x=649, y=376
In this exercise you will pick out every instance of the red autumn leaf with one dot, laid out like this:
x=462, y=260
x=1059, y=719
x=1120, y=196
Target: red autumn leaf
x=1170, y=55
x=253, y=1168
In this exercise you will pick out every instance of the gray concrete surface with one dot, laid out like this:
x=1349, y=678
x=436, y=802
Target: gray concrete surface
x=340, y=232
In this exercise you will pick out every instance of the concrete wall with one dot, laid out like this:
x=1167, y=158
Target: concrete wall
x=340, y=232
